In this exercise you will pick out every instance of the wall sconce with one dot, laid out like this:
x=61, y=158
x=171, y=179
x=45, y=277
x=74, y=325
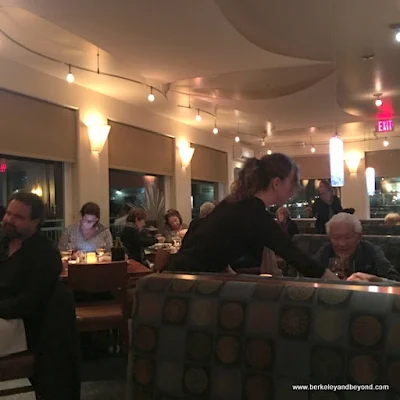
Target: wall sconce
x=98, y=135
x=186, y=154
x=352, y=164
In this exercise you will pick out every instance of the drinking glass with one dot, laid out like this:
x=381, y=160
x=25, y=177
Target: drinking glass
x=340, y=267
x=100, y=252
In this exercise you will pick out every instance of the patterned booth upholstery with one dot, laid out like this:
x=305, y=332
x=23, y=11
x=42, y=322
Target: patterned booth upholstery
x=311, y=244
x=206, y=337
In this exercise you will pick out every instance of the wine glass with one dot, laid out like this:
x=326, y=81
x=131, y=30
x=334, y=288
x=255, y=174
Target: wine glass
x=339, y=266
x=100, y=252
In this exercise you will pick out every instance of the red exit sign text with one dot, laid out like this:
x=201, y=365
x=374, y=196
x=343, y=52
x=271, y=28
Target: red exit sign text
x=385, y=126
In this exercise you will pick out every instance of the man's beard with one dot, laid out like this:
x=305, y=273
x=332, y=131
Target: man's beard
x=11, y=231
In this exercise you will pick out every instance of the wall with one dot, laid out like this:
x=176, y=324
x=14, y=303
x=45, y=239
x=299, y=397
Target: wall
x=89, y=178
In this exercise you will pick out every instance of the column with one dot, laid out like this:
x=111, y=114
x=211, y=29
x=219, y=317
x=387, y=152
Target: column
x=182, y=184
x=91, y=180
x=354, y=192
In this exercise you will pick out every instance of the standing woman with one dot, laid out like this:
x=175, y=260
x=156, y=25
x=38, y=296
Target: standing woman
x=326, y=206
x=241, y=225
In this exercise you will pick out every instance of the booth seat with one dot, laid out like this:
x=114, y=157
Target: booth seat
x=242, y=337
x=311, y=244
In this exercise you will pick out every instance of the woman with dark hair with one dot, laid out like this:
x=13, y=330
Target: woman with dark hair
x=326, y=206
x=240, y=225
x=134, y=239
x=173, y=225
x=88, y=234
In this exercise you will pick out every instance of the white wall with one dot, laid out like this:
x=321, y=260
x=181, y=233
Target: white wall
x=89, y=180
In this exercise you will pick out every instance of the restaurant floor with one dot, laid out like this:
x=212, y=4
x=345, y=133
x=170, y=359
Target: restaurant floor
x=103, y=378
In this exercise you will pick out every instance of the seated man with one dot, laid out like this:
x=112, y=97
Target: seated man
x=350, y=256
x=30, y=266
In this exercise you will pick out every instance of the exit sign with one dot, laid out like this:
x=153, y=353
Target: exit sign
x=385, y=126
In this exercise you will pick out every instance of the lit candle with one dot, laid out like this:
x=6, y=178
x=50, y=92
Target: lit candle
x=91, y=258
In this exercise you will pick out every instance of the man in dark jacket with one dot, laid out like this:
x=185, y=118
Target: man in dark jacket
x=351, y=257
x=30, y=265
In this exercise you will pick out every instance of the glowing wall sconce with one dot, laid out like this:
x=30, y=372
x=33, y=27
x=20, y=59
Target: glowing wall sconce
x=352, y=164
x=336, y=157
x=370, y=178
x=98, y=135
x=186, y=154
x=37, y=190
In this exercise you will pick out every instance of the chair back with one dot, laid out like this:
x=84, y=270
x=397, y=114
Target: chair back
x=99, y=278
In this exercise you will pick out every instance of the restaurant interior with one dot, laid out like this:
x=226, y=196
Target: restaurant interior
x=157, y=107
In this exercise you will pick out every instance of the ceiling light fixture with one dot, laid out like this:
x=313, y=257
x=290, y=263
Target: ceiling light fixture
x=237, y=139
x=269, y=152
x=396, y=29
x=215, y=130
x=151, y=97
x=313, y=149
x=70, y=76
x=386, y=143
x=198, y=116
x=378, y=101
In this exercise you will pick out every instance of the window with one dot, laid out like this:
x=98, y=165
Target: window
x=137, y=190
x=386, y=198
x=45, y=178
x=298, y=205
x=202, y=192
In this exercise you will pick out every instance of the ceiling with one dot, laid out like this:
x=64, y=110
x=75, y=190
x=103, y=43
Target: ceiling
x=268, y=68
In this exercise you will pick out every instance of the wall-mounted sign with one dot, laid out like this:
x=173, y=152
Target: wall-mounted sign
x=386, y=125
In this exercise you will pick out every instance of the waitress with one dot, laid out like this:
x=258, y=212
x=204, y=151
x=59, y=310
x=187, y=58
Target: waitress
x=241, y=225
x=326, y=206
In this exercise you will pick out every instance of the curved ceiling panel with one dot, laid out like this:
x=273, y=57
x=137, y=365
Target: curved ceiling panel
x=255, y=84
x=311, y=29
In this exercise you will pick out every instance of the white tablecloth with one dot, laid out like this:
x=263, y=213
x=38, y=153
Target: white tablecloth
x=12, y=336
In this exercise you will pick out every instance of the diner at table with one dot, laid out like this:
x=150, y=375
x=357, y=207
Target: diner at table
x=134, y=239
x=174, y=226
x=88, y=234
x=348, y=254
x=30, y=266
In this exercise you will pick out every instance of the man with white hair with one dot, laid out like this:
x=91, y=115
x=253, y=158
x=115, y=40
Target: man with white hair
x=350, y=256
x=205, y=209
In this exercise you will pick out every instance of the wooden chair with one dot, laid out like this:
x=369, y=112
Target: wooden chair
x=161, y=260
x=99, y=315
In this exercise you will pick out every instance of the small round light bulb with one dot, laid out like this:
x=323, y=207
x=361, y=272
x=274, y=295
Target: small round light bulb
x=397, y=36
x=215, y=130
x=269, y=152
x=312, y=149
x=151, y=97
x=237, y=139
x=378, y=102
x=198, y=117
x=386, y=143
x=70, y=77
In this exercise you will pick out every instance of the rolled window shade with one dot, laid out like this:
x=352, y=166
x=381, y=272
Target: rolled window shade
x=135, y=149
x=34, y=128
x=385, y=162
x=209, y=165
x=313, y=167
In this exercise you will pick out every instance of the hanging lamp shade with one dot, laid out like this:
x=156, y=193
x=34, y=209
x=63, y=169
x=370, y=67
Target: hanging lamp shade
x=370, y=178
x=336, y=158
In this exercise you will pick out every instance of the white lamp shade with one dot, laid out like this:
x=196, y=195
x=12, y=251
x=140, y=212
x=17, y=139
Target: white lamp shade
x=98, y=135
x=370, y=178
x=336, y=157
x=186, y=154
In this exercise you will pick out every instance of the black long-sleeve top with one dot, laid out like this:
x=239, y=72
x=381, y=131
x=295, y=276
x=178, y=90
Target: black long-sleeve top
x=323, y=212
x=27, y=280
x=134, y=241
x=235, y=229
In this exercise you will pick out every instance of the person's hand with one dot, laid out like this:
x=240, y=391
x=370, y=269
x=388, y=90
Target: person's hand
x=362, y=277
x=329, y=275
x=182, y=233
